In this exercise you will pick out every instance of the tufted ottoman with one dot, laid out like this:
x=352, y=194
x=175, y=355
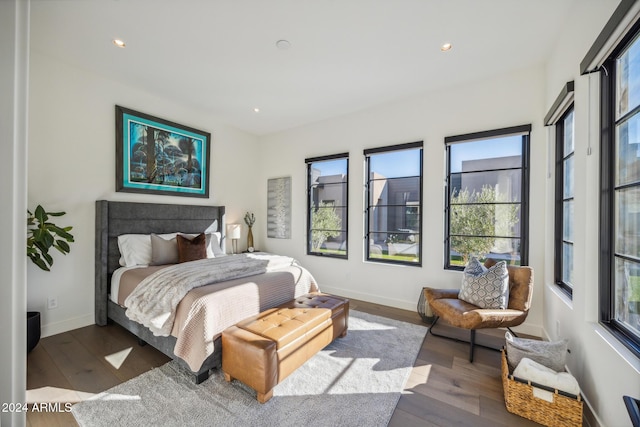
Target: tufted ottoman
x=263, y=350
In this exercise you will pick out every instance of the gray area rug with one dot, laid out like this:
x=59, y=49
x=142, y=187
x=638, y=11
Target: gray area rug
x=355, y=381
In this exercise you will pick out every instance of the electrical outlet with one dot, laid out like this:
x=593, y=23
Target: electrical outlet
x=52, y=302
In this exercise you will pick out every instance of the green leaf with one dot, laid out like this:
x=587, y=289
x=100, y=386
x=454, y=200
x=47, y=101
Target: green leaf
x=41, y=215
x=39, y=262
x=63, y=234
x=62, y=246
x=38, y=244
x=47, y=239
x=48, y=258
x=56, y=213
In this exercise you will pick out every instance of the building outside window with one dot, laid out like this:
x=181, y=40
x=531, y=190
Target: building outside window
x=327, y=205
x=394, y=204
x=487, y=193
x=620, y=190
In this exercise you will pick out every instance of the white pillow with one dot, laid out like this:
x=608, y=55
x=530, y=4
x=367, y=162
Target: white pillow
x=213, y=245
x=135, y=249
x=212, y=228
x=536, y=372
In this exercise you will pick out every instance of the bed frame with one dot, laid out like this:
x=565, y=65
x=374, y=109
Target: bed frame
x=116, y=218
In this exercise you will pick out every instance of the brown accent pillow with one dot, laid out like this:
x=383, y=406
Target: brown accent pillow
x=191, y=249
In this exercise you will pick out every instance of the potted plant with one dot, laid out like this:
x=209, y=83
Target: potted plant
x=42, y=235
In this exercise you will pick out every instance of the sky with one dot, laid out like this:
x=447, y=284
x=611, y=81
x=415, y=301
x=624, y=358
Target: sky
x=485, y=149
x=407, y=163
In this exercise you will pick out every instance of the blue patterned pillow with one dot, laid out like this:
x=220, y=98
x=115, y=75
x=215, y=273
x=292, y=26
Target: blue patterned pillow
x=489, y=289
x=474, y=267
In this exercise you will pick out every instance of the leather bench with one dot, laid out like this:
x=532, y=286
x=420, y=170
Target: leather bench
x=263, y=350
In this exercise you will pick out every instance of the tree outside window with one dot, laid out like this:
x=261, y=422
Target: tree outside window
x=487, y=196
x=327, y=205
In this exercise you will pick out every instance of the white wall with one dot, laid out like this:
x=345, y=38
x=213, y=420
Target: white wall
x=72, y=164
x=507, y=100
x=14, y=72
x=604, y=368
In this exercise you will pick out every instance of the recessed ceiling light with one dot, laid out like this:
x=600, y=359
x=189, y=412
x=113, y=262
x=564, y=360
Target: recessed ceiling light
x=256, y=110
x=445, y=47
x=119, y=43
x=283, y=44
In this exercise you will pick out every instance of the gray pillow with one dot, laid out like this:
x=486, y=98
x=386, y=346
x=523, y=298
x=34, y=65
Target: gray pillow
x=486, y=289
x=163, y=251
x=552, y=354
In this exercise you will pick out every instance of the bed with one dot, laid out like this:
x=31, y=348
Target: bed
x=114, y=219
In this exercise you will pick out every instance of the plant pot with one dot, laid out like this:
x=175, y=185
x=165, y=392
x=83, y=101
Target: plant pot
x=33, y=329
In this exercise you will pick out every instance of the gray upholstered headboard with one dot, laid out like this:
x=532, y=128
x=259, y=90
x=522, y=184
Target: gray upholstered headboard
x=116, y=218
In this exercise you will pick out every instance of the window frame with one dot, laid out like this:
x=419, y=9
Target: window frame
x=345, y=227
x=607, y=252
x=369, y=204
x=524, y=131
x=560, y=218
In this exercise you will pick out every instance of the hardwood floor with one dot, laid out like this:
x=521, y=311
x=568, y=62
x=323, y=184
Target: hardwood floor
x=444, y=389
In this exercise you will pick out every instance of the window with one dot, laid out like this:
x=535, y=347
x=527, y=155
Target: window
x=487, y=196
x=327, y=205
x=561, y=115
x=564, y=211
x=620, y=192
x=394, y=204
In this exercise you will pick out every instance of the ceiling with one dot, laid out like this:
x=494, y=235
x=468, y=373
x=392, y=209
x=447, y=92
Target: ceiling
x=345, y=55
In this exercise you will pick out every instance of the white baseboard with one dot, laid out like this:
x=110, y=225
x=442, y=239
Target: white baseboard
x=67, y=325
x=406, y=305
x=528, y=329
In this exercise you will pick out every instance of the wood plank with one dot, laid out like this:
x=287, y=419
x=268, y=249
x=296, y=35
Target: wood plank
x=113, y=342
x=446, y=390
x=51, y=419
x=494, y=410
x=438, y=413
x=43, y=371
x=487, y=386
x=401, y=418
x=390, y=312
x=490, y=369
x=83, y=371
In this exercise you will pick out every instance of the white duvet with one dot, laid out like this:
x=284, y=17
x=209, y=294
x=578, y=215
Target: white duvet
x=153, y=302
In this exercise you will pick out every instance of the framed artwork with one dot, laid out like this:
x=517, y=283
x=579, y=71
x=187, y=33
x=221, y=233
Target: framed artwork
x=279, y=208
x=156, y=156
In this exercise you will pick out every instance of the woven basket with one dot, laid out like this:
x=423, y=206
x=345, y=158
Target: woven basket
x=564, y=411
x=424, y=309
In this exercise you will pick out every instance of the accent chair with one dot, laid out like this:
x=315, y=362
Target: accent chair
x=461, y=314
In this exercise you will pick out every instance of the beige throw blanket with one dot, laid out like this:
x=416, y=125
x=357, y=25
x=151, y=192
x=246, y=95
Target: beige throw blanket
x=153, y=303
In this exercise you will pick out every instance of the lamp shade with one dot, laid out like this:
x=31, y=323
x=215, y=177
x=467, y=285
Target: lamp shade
x=233, y=231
